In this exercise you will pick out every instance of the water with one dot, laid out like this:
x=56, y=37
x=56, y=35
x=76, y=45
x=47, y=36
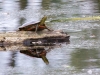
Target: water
x=80, y=57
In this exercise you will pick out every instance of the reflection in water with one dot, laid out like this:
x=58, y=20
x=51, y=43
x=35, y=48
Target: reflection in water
x=23, y=4
x=21, y=21
x=46, y=4
x=39, y=53
x=34, y=4
x=56, y=1
x=12, y=59
x=85, y=58
x=8, y=19
x=90, y=7
x=33, y=47
x=97, y=5
x=88, y=58
x=9, y=5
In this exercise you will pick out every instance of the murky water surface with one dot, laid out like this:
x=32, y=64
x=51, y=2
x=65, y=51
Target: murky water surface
x=80, y=57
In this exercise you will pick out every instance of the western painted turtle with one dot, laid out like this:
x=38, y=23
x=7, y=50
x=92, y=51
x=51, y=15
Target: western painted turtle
x=39, y=53
x=38, y=26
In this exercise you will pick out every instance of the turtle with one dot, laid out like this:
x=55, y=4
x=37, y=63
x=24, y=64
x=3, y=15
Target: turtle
x=41, y=53
x=35, y=26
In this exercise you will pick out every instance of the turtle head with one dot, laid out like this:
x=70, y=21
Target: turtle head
x=42, y=21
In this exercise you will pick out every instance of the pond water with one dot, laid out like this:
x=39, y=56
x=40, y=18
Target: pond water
x=80, y=57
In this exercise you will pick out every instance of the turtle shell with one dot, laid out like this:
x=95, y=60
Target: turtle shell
x=32, y=27
x=28, y=23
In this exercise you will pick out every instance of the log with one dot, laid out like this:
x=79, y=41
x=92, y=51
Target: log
x=31, y=43
x=24, y=40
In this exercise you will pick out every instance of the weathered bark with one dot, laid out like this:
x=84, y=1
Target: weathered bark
x=24, y=40
x=31, y=43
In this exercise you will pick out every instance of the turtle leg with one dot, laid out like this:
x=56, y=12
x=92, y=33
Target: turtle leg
x=36, y=27
x=48, y=28
x=40, y=23
x=37, y=52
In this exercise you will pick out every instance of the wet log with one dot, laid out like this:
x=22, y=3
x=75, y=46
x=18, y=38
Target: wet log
x=31, y=43
x=24, y=40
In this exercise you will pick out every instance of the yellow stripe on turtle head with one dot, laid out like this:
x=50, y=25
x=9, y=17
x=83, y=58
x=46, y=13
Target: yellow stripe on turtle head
x=43, y=20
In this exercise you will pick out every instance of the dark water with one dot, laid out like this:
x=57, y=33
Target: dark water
x=80, y=57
